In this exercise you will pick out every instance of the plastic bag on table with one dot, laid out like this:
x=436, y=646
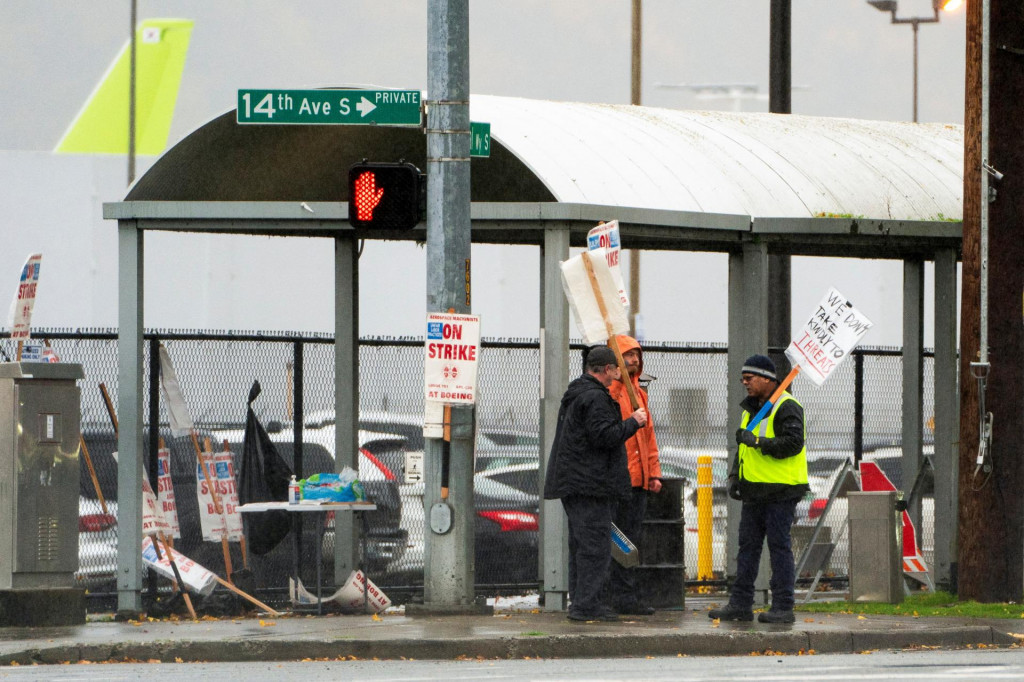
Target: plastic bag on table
x=330, y=487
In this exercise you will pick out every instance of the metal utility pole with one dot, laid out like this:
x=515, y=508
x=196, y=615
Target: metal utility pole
x=448, y=574
x=779, y=89
x=131, y=93
x=634, y=98
x=991, y=476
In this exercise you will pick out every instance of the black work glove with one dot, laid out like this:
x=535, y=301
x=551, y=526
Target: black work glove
x=734, y=489
x=744, y=437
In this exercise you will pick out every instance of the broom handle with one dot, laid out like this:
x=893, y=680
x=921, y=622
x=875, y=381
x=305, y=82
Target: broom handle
x=613, y=343
x=775, y=396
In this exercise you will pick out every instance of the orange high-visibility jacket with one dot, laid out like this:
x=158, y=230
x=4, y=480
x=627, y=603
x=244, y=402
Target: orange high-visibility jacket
x=642, y=448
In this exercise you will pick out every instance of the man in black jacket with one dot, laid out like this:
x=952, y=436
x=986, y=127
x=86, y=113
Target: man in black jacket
x=587, y=471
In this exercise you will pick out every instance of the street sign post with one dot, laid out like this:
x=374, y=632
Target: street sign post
x=480, y=139
x=325, y=107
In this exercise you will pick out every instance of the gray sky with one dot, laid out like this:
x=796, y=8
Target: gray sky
x=848, y=58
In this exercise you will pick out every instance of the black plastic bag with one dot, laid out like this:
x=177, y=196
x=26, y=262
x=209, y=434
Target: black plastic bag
x=263, y=477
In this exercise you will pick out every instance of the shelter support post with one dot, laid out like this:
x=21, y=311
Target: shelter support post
x=947, y=421
x=346, y=392
x=554, y=377
x=748, y=334
x=913, y=380
x=129, y=399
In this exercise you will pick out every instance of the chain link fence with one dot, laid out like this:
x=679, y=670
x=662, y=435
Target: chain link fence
x=688, y=404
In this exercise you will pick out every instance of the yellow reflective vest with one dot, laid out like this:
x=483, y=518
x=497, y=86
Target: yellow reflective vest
x=757, y=467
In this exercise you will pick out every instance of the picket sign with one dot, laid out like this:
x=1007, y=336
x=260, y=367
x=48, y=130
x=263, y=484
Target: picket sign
x=153, y=521
x=606, y=236
x=351, y=596
x=165, y=491
x=19, y=320
x=596, y=308
x=828, y=336
x=196, y=578
x=594, y=300
x=221, y=473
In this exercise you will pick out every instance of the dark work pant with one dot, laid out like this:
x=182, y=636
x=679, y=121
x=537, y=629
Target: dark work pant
x=758, y=521
x=623, y=586
x=590, y=551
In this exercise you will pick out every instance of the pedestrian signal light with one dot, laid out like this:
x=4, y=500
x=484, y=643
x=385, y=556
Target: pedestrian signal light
x=384, y=196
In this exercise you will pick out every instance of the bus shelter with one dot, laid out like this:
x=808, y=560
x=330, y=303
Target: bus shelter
x=745, y=184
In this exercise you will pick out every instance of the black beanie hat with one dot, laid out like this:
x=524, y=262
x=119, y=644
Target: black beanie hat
x=760, y=365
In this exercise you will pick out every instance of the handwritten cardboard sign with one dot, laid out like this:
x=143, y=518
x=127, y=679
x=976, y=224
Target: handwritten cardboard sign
x=833, y=329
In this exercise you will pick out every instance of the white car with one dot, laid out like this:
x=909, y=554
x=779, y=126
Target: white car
x=823, y=468
x=97, y=544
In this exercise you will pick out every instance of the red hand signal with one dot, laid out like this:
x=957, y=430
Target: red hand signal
x=367, y=196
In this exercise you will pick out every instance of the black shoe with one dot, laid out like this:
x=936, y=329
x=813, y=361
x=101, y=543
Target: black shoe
x=774, y=616
x=636, y=610
x=606, y=616
x=730, y=612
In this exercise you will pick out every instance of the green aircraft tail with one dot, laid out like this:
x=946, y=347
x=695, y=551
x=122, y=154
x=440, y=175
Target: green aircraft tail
x=101, y=127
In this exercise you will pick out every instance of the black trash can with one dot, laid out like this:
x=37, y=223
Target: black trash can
x=661, y=569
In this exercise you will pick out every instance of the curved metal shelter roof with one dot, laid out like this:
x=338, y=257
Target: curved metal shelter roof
x=762, y=165
x=686, y=180
x=755, y=164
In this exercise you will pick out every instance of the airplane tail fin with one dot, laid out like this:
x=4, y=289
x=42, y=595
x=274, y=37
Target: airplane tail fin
x=101, y=127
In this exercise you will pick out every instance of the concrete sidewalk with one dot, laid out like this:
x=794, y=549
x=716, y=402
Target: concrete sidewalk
x=506, y=634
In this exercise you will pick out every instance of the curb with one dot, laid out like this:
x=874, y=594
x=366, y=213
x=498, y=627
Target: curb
x=598, y=645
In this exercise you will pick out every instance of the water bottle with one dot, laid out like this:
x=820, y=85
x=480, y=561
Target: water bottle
x=293, y=491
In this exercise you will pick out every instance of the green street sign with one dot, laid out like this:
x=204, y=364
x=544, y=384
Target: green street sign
x=480, y=139
x=326, y=107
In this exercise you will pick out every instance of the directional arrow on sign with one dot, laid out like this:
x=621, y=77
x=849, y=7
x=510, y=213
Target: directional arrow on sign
x=365, y=106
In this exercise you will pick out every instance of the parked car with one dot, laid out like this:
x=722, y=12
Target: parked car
x=385, y=538
x=97, y=545
x=507, y=521
x=385, y=541
x=823, y=467
x=507, y=507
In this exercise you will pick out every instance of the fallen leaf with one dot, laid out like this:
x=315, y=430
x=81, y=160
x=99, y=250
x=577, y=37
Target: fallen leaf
x=267, y=623
x=861, y=618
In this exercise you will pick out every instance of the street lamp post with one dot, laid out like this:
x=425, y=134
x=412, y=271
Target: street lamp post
x=890, y=6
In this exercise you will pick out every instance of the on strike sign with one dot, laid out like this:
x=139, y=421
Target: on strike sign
x=606, y=236
x=452, y=353
x=20, y=319
x=828, y=336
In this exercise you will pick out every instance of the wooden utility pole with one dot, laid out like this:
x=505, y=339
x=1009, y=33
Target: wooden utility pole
x=635, y=62
x=991, y=505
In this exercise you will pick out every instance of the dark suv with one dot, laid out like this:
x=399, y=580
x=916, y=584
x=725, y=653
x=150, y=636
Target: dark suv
x=385, y=539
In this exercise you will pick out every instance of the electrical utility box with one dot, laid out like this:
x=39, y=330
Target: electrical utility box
x=39, y=440
x=876, y=547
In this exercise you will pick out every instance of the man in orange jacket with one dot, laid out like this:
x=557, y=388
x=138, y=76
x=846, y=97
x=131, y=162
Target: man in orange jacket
x=644, y=474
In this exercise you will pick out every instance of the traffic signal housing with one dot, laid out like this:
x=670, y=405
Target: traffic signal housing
x=385, y=196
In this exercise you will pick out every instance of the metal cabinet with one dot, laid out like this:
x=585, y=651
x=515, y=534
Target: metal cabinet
x=39, y=440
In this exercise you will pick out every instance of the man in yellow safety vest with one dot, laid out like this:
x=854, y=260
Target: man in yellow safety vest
x=769, y=475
